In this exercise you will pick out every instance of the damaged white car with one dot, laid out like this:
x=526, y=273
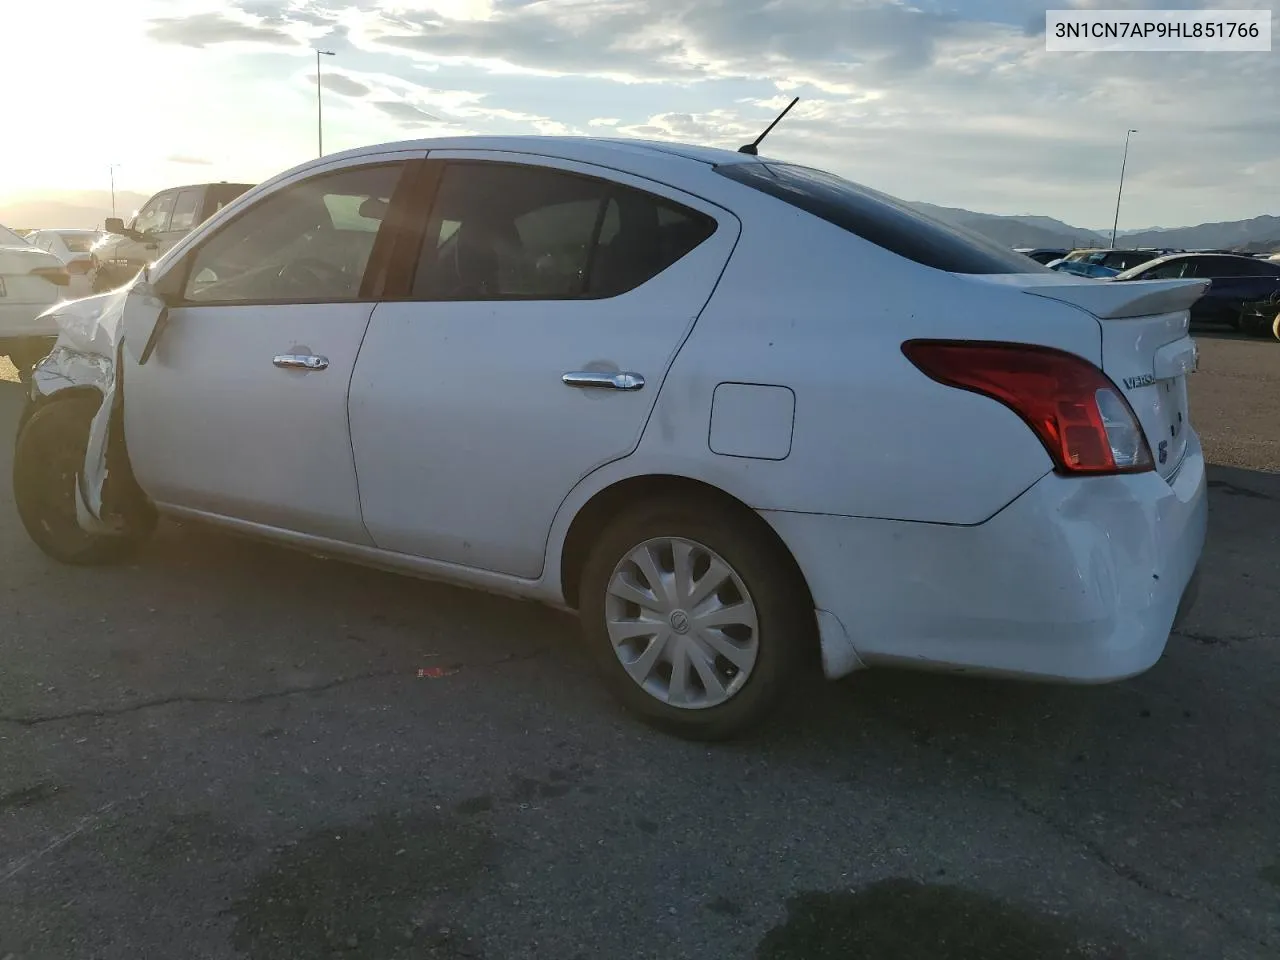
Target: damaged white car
x=741, y=415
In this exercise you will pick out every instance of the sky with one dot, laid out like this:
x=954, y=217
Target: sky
x=954, y=102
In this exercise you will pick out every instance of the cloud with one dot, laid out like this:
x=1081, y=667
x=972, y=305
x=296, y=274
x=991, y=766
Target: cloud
x=340, y=83
x=955, y=101
x=189, y=160
x=670, y=39
x=203, y=29
x=406, y=113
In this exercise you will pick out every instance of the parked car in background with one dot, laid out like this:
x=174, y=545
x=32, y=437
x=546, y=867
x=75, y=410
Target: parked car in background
x=1261, y=317
x=1118, y=260
x=1236, y=280
x=1043, y=255
x=1081, y=268
x=163, y=220
x=566, y=369
x=73, y=248
x=31, y=280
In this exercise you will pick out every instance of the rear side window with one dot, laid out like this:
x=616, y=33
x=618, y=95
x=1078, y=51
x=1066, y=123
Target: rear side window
x=506, y=231
x=879, y=219
x=185, y=210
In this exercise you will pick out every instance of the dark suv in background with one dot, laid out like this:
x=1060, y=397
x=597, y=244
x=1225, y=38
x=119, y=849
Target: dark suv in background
x=1237, y=280
x=163, y=220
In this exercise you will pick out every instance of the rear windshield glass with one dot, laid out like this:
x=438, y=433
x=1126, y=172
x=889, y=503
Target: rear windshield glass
x=78, y=242
x=880, y=219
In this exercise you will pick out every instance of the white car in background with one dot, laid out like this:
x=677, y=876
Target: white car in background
x=74, y=248
x=742, y=415
x=31, y=280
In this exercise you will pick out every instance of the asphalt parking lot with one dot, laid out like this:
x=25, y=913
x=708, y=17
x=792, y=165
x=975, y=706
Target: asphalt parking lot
x=225, y=750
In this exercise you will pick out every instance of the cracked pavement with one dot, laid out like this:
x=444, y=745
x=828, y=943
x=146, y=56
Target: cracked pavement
x=230, y=746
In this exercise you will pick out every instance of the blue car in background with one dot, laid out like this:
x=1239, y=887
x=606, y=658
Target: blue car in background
x=1082, y=268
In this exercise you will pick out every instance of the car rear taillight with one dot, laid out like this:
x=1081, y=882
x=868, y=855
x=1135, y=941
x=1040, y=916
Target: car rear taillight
x=1084, y=422
x=55, y=275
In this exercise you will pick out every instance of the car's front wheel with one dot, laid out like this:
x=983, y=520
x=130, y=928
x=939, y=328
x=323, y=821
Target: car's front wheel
x=48, y=459
x=696, y=616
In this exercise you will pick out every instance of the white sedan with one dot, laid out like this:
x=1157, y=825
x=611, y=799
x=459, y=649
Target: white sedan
x=31, y=279
x=75, y=249
x=742, y=415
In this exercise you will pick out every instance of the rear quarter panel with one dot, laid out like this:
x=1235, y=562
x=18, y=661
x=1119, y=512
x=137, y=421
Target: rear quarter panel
x=806, y=305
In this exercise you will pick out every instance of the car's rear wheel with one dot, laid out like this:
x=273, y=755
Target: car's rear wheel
x=696, y=616
x=48, y=458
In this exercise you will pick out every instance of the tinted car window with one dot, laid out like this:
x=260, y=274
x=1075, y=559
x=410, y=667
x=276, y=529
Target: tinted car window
x=1171, y=270
x=1223, y=267
x=879, y=218
x=1126, y=259
x=291, y=246
x=154, y=217
x=508, y=231
x=185, y=210
x=218, y=195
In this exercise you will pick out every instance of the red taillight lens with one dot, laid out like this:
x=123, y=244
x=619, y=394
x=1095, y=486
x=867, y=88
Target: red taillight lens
x=1084, y=422
x=55, y=275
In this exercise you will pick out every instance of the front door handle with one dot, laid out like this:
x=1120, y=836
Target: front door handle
x=603, y=381
x=301, y=361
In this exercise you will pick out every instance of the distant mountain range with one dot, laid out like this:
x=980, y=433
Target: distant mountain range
x=89, y=208
x=1259, y=235
x=85, y=209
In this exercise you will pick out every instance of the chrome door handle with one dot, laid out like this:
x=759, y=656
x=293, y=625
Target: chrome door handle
x=301, y=361
x=603, y=381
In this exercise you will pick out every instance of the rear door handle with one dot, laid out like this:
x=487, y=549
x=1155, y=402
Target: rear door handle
x=301, y=361
x=593, y=379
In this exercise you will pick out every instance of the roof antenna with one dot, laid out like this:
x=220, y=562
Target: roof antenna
x=750, y=148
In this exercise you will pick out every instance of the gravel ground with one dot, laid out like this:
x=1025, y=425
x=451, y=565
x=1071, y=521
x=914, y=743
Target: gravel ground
x=226, y=746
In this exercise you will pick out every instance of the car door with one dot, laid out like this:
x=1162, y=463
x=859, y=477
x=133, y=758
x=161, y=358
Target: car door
x=1221, y=304
x=241, y=410
x=548, y=302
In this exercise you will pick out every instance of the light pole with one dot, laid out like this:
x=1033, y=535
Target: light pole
x=111, y=167
x=319, y=101
x=1123, y=164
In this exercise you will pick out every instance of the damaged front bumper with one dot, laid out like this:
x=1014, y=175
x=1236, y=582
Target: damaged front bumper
x=86, y=357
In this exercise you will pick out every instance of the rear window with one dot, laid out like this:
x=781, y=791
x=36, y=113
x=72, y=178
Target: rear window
x=880, y=219
x=78, y=242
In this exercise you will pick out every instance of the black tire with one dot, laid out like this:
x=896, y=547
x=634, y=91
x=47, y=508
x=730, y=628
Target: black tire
x=785, y=624
x=1254, y=326
x=47, y=458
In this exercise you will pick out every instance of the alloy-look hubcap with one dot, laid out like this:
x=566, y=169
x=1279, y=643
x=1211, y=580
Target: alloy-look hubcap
x=682, y=623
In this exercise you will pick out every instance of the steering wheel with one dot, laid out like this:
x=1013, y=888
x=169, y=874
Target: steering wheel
x=311, y=273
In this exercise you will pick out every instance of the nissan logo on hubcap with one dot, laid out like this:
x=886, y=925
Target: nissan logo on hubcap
x=680, y=621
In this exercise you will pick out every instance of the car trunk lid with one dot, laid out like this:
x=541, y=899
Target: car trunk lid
x=1146, y=350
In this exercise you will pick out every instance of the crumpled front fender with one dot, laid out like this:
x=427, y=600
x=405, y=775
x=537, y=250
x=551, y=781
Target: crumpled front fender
x=86, y=355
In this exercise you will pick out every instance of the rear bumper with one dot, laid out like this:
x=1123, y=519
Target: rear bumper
x=1077, y=580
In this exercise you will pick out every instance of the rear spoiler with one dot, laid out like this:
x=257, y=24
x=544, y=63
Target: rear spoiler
x=1112, y=300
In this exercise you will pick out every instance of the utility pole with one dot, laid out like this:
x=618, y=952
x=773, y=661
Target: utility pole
x=320, y=102
x=111, y=167
x=1123, y=163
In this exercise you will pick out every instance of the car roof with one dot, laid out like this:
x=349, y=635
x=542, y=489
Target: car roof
x=607, y=151
x=203, y=186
